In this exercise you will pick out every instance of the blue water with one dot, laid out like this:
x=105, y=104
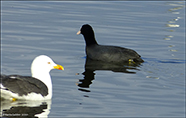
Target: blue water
x=156, y=30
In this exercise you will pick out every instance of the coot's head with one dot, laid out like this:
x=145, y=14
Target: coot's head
x=88, y=33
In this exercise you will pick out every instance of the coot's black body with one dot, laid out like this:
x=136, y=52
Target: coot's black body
x=114, y=54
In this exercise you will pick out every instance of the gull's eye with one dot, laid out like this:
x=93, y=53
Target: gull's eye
x=48, y=62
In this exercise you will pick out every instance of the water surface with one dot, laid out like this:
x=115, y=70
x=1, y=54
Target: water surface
x=156, y=30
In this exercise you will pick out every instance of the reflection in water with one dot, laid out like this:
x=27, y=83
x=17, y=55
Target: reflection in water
x=27, y=109
x=92, y=65
x=172, y=23
x=177, y=6
x=171, y=27
x=175, y=10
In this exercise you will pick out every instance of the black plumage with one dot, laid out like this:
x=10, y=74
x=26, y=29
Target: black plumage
x=114, y=54
x=23, y=85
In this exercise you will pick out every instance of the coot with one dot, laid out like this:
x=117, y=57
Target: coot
x=113, y=54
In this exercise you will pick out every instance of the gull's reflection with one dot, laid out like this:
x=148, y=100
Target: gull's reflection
x=92, y=65
x=25, y=109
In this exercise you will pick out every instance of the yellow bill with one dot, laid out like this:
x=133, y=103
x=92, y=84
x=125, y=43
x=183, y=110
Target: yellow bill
x=59, y=67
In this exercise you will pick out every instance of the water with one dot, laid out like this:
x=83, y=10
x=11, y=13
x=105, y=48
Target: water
x=156, y=30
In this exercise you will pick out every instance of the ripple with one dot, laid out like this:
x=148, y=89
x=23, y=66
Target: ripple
x=172, y=61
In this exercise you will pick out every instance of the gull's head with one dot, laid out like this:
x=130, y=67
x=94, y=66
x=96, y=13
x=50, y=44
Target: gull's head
x=43, y=64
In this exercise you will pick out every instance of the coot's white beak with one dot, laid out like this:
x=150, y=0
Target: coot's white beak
x=79, y=32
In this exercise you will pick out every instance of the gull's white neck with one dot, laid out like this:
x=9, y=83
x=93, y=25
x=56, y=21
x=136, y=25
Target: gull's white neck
x=40, y=69
x=46, y=79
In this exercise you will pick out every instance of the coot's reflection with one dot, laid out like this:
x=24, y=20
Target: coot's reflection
x=92, y=65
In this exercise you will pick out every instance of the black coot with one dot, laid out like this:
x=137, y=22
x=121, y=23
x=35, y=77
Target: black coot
x=113, y=54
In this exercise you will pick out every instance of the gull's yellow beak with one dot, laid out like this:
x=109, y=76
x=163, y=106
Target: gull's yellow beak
x=79, y=32
x=59, y=67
